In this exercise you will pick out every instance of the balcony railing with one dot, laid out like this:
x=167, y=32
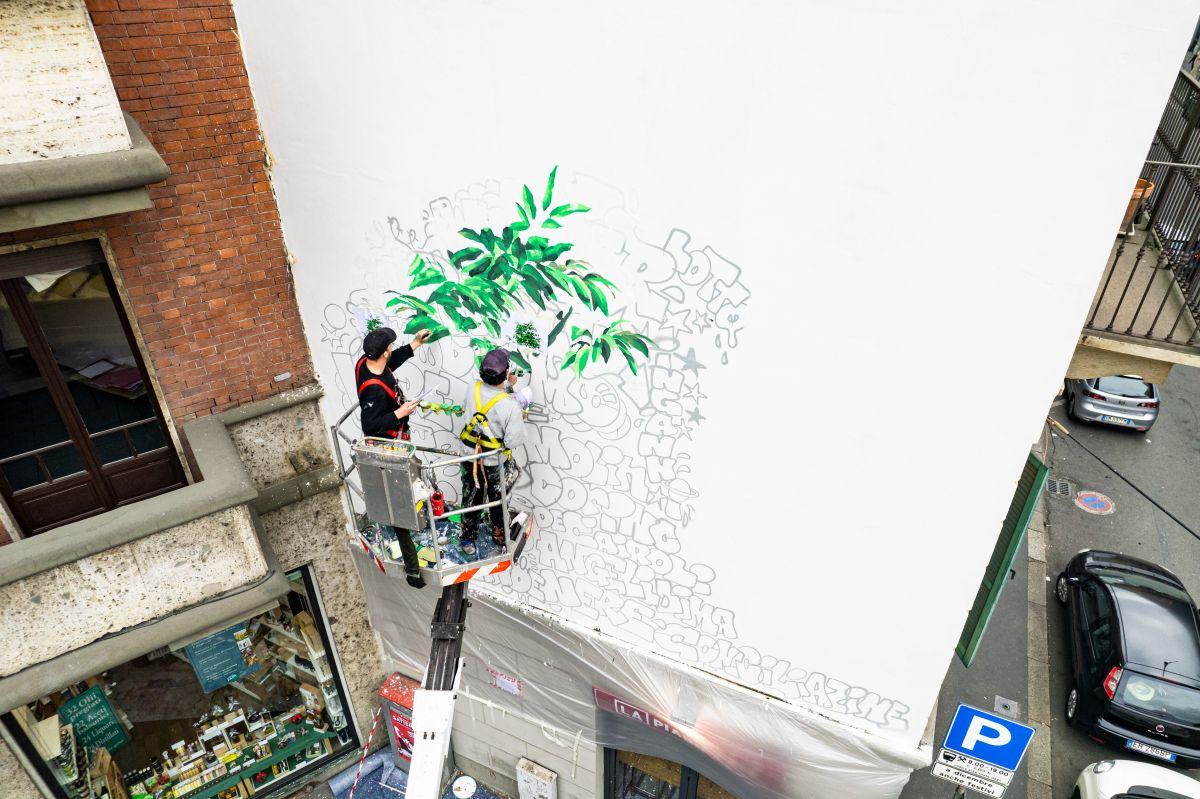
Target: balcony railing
x=1151, y=287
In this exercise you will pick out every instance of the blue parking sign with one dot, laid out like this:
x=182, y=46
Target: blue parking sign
x=985, y=736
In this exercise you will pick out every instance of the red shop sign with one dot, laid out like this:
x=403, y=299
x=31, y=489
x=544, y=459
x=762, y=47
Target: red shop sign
x=402, y=733
x=614, y=704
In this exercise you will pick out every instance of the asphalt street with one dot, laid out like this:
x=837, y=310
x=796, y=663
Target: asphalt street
x=1165, y=465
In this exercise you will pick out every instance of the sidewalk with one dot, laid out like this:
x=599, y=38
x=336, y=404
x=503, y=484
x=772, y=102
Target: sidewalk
x=1011, y=665
x=379, y=780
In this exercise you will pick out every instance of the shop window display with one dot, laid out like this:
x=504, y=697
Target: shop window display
x=237, y=713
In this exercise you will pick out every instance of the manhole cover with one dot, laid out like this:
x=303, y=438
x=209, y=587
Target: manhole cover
x=1059, y=488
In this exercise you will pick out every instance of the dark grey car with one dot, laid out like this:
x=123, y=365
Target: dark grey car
x=1119, y=400
x=1135, y=656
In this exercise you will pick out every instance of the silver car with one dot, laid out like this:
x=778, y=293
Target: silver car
x=1119, y=400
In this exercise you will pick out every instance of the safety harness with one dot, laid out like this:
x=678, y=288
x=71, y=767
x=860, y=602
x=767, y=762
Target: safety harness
x=402, y=431
x=477, y=432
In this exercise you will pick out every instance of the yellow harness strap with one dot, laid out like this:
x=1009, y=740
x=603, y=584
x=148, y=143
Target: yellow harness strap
x=471, y=433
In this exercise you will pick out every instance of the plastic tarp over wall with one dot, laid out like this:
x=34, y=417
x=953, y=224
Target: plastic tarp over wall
x=576, y=680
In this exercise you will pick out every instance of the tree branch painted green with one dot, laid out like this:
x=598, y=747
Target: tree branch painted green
x=479, y=287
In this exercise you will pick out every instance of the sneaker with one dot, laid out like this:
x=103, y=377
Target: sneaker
x=468, y=548
x=415, y=580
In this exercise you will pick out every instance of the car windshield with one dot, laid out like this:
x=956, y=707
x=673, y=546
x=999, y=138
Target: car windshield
x=1160, y=697
x=1125, y=387
x=1120, y=577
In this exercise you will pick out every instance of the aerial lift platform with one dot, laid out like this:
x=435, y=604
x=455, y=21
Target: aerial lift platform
x=398, y=487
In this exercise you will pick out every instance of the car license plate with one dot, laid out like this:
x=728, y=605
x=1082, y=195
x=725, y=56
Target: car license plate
x=1147, y=749
x=1116, y=420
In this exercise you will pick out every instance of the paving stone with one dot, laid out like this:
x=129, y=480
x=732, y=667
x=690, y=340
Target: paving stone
x=1037, y=582
x=1038, y=757
x=1036, y=633
x=1039, y=692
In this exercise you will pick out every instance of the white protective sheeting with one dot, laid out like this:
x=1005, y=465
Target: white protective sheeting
x=751, y=744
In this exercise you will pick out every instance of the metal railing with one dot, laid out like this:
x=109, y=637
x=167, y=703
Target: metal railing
x=1151, y=286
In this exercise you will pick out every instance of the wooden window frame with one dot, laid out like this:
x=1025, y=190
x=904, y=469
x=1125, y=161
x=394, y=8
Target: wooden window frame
x=76, y=254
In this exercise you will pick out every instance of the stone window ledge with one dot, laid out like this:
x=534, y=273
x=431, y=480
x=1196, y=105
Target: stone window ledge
x=168, y=568
x=226, y=485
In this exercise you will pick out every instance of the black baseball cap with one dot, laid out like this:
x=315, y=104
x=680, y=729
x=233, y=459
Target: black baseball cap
x=377, y=341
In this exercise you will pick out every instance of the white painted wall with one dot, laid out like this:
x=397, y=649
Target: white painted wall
x=874, y=181
x=56, y=97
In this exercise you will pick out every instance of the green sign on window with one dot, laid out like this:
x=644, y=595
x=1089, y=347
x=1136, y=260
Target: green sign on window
x=95, y=722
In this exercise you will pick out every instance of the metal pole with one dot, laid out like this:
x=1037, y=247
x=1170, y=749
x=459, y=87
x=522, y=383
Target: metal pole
x=1174, y=164
x=504, y=494
x=437, y=550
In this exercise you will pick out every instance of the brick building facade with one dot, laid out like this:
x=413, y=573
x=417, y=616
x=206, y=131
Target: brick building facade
x=201, y=274
x=205, y=271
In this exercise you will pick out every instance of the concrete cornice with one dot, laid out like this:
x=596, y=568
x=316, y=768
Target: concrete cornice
x=80, y=176
x=287, y=399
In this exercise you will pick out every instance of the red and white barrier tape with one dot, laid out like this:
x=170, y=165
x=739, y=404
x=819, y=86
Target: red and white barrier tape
x=366, y=749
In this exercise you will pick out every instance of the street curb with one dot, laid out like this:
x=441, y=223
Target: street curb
x=1041, y=775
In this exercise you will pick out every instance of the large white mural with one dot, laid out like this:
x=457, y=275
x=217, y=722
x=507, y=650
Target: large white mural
x=614, y=452
x=802, y=236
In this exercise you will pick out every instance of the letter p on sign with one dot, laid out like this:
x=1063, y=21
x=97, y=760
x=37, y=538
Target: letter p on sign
x=983, y=731
x=985, y=736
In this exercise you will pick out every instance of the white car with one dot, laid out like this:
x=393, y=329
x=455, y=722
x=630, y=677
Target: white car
x=1132, y=779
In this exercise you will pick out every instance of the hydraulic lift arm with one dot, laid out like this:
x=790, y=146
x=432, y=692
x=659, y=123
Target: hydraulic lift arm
x=433, y=703
x=396, y=484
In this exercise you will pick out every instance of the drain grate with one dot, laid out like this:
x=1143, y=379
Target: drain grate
x=1059, y=488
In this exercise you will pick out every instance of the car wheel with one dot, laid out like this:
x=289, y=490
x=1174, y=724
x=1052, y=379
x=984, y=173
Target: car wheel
x=1075, y=794
x=1072, y=705
x=1060, y=588
x=1071, y=406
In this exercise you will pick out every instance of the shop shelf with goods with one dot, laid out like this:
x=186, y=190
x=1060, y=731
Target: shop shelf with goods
x=290, y=747
x=106, y=777
x=233, y=729
x=302, y=658
x=71, y=766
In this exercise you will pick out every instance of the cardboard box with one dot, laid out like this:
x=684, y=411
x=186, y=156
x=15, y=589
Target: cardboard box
x=312, y=696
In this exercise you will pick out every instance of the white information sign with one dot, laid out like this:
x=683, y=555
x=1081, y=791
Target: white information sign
x=977, y=767
x=968, y=780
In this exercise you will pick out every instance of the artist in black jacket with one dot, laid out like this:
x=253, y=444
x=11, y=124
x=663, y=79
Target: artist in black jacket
x=385, y=412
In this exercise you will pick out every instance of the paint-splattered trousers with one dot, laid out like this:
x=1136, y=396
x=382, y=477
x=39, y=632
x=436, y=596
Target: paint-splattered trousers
x=489, y=486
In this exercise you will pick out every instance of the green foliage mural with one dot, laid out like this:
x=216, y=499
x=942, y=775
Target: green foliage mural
x=478, y=288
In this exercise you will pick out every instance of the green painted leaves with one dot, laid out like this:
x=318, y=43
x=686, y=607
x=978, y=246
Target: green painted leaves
x=558, y=327
x=527, y=198
x=475, y=290
x=587, y=347
x=549, y=193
